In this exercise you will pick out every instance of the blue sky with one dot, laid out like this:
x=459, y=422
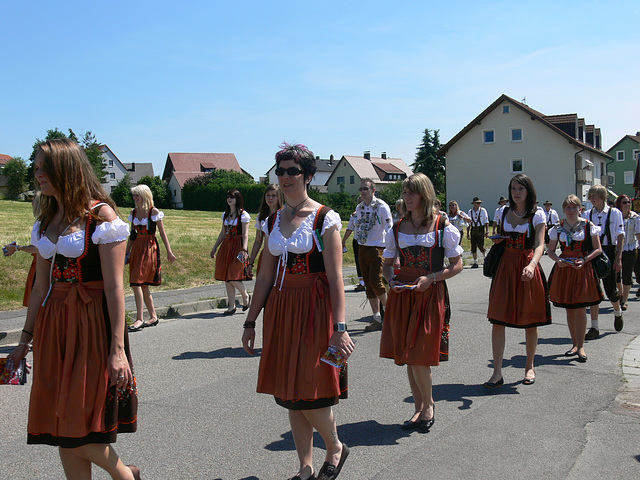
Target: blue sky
x=149, y=78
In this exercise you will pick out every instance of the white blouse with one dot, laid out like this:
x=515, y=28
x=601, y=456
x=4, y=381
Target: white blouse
x=244, y=218
x=145, y=220
x=556, y=233
x=450, y=242
x=631, y=229
x=538, y=218
x=72, y=245
x=301, y=241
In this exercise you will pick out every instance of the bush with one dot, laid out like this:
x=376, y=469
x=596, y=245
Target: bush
x=160, y=190
x=122, y=193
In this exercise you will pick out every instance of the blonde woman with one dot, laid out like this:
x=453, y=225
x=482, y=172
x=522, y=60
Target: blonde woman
x=416, y=321
x=458, y=218
x=143, y=255
x=572, y=282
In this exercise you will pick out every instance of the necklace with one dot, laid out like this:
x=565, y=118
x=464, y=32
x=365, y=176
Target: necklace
x=301, y=205
x=517, y=214
x=415, y=229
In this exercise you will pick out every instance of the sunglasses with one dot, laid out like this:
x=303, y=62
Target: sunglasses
x=625, y=202
x=291, y=171
x=363, y=189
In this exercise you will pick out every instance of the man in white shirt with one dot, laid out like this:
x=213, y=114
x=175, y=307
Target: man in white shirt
x=350, y=227
x=611, y=225
x=478, y=229
x=497, y=216
x=373, y=222
x=551, y=220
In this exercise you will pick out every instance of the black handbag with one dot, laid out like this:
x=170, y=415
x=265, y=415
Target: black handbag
x=492, y=260
x=602, y=265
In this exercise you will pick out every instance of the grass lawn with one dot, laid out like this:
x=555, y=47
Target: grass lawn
x=191, y=233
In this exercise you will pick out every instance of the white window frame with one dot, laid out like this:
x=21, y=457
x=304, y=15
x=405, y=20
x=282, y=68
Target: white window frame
x=511, y=130
x=506, y=109
x=628, y=177
x=618, y=152
x=493, y=131
x=636, y=152
x=611, y=178
x=511, y=165
x=112, y=176
x=110, y=163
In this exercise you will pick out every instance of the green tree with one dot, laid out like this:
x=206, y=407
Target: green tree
x=429, y=162
x=122, y=192
x=16, y=172
x=160, y=190
x=391, y=193
x=94, y=153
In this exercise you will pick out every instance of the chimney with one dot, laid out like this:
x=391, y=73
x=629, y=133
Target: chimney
x=384, y=155
x=367, y=154
x=133, y=166
x=330, y=159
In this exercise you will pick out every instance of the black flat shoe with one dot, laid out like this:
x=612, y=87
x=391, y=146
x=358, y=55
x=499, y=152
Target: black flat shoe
x=497, y=384
x=246, y=307
x=151, y=324
x=571, y=353
x=425, y=425
x=229, y=312
x=582, y=358
x=136, y=329
x=298, y=477
x=328, y=471
x=529, y=381
x=411, y=424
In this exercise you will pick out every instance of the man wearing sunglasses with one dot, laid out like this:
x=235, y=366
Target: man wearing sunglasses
x=373, y=222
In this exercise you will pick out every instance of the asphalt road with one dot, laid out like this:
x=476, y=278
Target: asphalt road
x=200, y=417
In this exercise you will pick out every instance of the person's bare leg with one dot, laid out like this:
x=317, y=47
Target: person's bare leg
x=497, y=346
x=418, y=400
x=531, y=336
x=76, y=460
x=137, y=295
x=148, y=301
x=302, y=432
x=231, y=295
x=324, y=422
x=423, y=379
x=238, y=285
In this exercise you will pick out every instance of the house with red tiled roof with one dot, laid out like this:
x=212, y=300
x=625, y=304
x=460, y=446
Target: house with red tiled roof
x=623, y=170
x=351, y=169
x=560, y=153
x=180, y=167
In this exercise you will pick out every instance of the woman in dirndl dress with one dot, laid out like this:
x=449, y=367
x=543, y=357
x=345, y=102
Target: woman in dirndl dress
x=84, y=391
x=301, y=288
x=271, y=203
x=573, y=284
x=233, y=257
x=143, y=254
x=519, y=297
x=415, y=331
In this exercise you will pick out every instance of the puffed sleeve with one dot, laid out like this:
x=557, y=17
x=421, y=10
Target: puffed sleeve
x=390, y=249
x=330, y=219
x=157, y=217
x=258, y=225
x=130, y=218
x=245, y=218
x=595, y=230
x=539, y=217
x=35, y=233
x=451, y=241
x=111, y=232
x=553, y=233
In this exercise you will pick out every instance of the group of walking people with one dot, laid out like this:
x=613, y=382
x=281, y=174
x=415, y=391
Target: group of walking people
x=76, y=323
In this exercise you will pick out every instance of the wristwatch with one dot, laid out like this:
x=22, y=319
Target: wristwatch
x=340, y=327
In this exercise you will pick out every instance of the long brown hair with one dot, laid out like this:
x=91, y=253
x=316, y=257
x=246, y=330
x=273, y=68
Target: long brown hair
x=265, y=210
x=421, y=184
x=72, y=176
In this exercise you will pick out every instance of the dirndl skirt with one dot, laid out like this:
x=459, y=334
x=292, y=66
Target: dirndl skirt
x=514, y=303
x=297, y=327
x=571, y=288
x=71, y=401
x=144, y=261
x=228, y=267
x=416, y=325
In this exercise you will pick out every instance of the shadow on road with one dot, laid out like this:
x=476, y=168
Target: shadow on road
x=227, y=352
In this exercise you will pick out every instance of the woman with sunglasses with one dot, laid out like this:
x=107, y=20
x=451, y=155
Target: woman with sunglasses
x=629, y=253
x=233, y=255
x=301, y=289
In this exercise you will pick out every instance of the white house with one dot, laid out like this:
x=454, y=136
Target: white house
x=351, y=169
x=116, y=170
x=559, y=153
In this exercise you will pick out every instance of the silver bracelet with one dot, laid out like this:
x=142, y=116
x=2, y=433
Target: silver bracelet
x=24, y=343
